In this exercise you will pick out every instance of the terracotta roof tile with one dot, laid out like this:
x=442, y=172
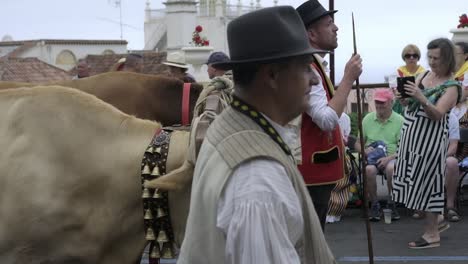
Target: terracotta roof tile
x=152, y=62
x=30, y=70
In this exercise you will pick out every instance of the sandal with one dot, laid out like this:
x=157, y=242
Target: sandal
x=452, y=215
x=422, y=243
x=444, y=225
x=418, y=214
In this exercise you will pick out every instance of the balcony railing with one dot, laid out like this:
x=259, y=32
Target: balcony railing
x=228, y=10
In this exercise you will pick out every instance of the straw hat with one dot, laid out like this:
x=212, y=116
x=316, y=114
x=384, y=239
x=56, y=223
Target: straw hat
x=176, y=59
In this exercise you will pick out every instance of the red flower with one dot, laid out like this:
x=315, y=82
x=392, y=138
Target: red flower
x=463, y=21
x=197, y=40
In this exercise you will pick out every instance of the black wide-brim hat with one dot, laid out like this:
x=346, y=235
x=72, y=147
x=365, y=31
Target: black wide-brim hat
x=264, y=35
x=311, y=11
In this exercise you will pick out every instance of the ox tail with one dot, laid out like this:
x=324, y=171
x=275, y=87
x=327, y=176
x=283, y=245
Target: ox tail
x=175, y=180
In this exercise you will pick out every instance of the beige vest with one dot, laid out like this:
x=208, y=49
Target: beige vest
x=232, y=139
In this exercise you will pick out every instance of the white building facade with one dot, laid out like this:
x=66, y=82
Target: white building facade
x=60, y=52
x=171, y=28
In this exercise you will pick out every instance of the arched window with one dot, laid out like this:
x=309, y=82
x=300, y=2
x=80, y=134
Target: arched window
x=65, y=57
x=108, y=52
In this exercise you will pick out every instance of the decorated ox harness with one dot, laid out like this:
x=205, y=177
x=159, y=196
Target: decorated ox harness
x=157, y=220
x=156, y=215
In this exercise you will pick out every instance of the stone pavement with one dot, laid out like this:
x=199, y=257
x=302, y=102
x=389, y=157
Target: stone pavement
x=348, y=241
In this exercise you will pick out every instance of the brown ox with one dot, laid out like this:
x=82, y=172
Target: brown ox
x=70, y=188
x=149, y=97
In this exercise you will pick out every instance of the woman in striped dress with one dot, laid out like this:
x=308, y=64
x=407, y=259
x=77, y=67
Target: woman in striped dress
x=420, y=168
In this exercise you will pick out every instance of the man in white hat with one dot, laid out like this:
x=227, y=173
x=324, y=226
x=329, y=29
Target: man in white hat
x=177, y=67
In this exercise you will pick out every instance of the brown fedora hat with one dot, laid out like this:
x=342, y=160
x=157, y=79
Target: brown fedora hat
x=266, y=34
x=311, y=11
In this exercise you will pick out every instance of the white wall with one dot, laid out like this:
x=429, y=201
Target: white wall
x=7, y=49
x=49, y=52
x=181, y=22
x=215, y=28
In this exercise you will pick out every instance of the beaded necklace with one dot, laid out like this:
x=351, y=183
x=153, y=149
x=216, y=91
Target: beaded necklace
x=258, y=118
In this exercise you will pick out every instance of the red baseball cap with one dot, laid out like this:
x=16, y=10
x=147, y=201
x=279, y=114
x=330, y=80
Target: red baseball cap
x=383, y=95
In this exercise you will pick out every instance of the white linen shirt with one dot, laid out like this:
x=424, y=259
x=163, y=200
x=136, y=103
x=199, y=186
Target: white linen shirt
x=260, y=214
x=459, y=111
x=323, y=115
x=345, y=125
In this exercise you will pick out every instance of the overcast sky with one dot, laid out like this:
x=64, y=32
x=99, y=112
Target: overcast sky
x=384, y=27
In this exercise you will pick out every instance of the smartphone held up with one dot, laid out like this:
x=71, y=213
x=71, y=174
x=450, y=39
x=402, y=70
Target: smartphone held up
x=401, y=81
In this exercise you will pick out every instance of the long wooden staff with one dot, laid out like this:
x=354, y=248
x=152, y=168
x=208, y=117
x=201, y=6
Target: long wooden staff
x=363, y=157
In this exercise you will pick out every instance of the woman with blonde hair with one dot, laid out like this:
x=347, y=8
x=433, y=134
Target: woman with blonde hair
x=410, y=55
x=461, y=55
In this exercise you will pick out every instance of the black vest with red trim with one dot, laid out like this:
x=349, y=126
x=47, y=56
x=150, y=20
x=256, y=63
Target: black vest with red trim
x=322, y=151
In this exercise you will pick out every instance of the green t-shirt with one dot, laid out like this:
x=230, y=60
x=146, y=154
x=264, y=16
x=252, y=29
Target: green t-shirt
x=388, y=132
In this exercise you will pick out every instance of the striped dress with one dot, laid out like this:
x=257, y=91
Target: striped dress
x=420, y=166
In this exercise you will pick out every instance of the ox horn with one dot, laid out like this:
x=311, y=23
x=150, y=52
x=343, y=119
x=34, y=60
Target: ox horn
x=175, y=180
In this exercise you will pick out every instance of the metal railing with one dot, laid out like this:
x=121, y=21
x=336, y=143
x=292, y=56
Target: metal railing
x=228, y=10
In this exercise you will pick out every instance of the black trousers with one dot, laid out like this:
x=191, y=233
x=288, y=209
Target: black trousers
x=320, y=195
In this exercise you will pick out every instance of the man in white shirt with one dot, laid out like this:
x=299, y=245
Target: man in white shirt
x=321, y=144
x=249, y=203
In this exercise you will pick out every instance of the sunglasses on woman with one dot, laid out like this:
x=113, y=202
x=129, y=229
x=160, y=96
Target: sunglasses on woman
x=415, y=56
